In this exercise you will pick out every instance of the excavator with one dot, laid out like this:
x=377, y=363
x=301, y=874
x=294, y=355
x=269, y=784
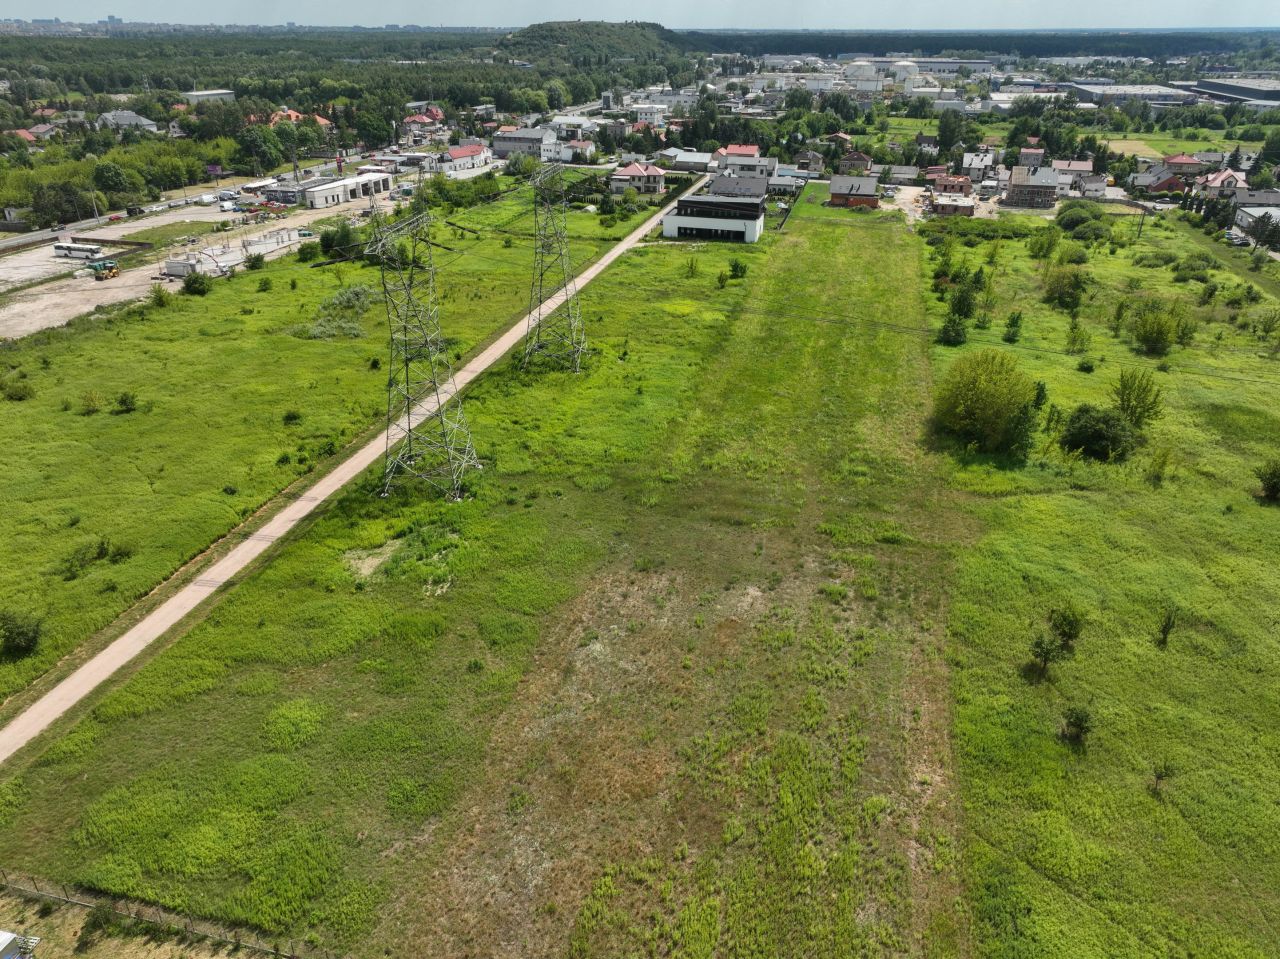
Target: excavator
x=104, y=269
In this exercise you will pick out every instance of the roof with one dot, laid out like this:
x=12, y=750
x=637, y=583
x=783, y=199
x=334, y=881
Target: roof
x=639, y=169
x=23, y=135
x=526, y=133
x=741, y=150
x=1181, y=158
x=471, y=150
x=853, y=186
x=727, y=199
x=40, y=128
x=946, y=178
x=1045, y=176
x=1219, y=177
x=1073, y=166
x=419, y=118
x=856, y=155
x=738, y=186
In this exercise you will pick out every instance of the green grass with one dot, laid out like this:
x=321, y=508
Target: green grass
x=167, y=233
x=1073, y=852
x=702, y=551
x=101, y=508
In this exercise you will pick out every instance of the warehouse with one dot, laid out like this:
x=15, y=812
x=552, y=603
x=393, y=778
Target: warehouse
x=347, y=189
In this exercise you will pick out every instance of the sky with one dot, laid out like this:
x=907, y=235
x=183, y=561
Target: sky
x=680, y=14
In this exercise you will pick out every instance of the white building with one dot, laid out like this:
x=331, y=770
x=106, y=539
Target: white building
x=204, y=96
x=347, y=189
x=653, y=114
x=735, y=218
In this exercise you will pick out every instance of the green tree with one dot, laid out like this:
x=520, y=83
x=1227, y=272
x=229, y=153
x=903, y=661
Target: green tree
x=984, y=399
x=1137, y=397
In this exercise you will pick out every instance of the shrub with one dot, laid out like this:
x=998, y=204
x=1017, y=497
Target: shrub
x=1154, y=259
x=291, y=417
x=1269, y=476
x=1153, y=329
x=986, y=400
x=1013, y=327
x=1064, y=286
x=1077, y=724
x=90, y=402
x=1043, y=242
x=309, y=251
x=1067, y=622
x=1070, y=252
x=159, y=296
x=1091, y=232
x=963, y=302
x=255, y=261
x=17, y=389
x=1046, y=650
x=954, y=331
x=1101, y=434
x=126, y=402
x=1078, y=338
x=264, y=285
x=737, y=269
x=1138, y=398
x=1085, y=365
x=1069, y=218
x=196, y=284
x=19, y=633
x=1168, y=622
x=722, y=279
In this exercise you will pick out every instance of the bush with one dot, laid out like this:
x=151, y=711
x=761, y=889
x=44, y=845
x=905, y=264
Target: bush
x=954, y=331
x=196, y=284
x=1085, y=365
x=1269, y=475
x=264, y=285
x=126, y=402
x=1077, y=723
x=1013, y=327
x=1069, y=218
x=737, y=269
x=1043, y=242
x=1091, y=232
x=1046, y=650
x=309, y=251
x=159, y=296
x=1064, y=286
x=17, y=389
x=1067, y=622
x=255, y=261
x=1071, y=252
x=1138, y=398
x=1101, y=434
x=19, y=633
x=1153, y=329
x=986, y=400
x=291, y=417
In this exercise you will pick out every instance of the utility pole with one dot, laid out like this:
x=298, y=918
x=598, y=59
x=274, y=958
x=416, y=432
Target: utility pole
x=434, y=446
x=557, y=335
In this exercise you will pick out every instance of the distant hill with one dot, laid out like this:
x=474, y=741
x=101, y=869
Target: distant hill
x=575, y=39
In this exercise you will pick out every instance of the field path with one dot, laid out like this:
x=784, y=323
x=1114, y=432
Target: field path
x=48, y=708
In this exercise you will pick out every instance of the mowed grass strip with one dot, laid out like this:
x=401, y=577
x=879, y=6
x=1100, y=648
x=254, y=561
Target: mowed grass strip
x=341, y=712
x=1158, y=837
x=231, y=401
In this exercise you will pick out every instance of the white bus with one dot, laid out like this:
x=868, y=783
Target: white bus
x=78, y=251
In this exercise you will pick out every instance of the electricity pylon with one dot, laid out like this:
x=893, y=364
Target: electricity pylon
x=555, y=333
x=427, y=435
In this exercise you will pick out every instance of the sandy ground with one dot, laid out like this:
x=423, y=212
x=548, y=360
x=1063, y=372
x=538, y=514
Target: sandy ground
x=39, y=715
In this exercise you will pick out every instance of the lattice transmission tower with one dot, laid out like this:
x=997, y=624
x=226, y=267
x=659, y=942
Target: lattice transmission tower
x=427, y=435
x=555, y=334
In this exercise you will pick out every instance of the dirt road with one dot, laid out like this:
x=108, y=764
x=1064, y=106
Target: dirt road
x=45, y=710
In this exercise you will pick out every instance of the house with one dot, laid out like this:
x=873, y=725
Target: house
x=206, y=96
x=528, y=142
x=573, y=128
x=758, y=165
x=685, y=159
x=1247, y=216
x=952, y=205
x=896, y=175
x=44, y=113
x=725, y=185
x=42, y=131
x=578, y=148
x=1073, y=166
x=429, y=110
x=1033, y=186
x=855, y=191
x=977, y=166
x=125, y=119
x=952, y=185
x=1031, y=156
x=468, y=157
x=641, y=177
x=810, y=160
x=26, y=135
x=1156, y=179
x=1223, y=183
x=1257, y=197
x=854, y=162
x=1184, y=164
x=650, y=114
x=713, y=217
x=840, y=139
x=786, y=183
x=927, y=143
x=739, y=150
x=1091, y=186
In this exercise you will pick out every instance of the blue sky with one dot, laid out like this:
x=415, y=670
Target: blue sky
x=815, y=14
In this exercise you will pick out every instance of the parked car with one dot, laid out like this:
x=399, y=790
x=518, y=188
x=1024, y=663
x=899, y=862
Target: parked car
x=115, y=218
x=133, y=211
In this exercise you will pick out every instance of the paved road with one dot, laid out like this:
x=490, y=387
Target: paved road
x=44, y=711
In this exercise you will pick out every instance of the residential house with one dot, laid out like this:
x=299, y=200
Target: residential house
x=738, y=165
x=927, y=143
x=42, y=131
x=468, y=157
x=855, y=191
x=840, y=139
x=1247, y=216
x=125, y=119
x=26, y=135
x=1073, y=166
x=810, y=160
x=725, y=185
x=641, y=177
x=1091, y=186
x=739, y=150
x=1184, y=165
x=952, y=204
x=711, y=217
x=786, y=183
x=1212, y=159
x=679, y=159
x=896, y=175
x=44, y=113
x=651, y=114
x=854, y=162
x=1222, y=183
x=1156, y=179
x=1245, y=197
x=526, y=141
x=1035, y=186
x=952, y=185
x=1031, y=156
x=977, y=166
x=573, y=127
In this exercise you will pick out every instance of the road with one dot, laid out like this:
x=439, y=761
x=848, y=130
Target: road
x=48, y=708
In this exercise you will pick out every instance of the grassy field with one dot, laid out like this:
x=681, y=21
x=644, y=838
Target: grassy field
x=1155, y=144
x=669, y=681
x=1081, y=852
x=102, y=507
x=166, y=233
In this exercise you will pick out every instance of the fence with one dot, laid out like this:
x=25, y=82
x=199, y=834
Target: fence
x=163, y=921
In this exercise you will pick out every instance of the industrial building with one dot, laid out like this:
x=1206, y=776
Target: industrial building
x=347, y=189
x=706, y=217
x=1153, y=93
x=205, y=96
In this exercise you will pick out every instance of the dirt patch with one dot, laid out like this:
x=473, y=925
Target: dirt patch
x=365, y=562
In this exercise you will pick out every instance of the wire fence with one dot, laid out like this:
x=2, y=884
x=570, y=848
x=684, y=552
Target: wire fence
x=165, y=922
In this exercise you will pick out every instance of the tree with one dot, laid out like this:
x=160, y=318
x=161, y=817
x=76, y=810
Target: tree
x=1046, y=650
x=111, y=178
x=984, y=399
x=1067, y=622
x=950, y=129
x=196, y=284
x=798, y=98
x=1077, y=724
x=1101, y=434
x=260, y=147
x=954, y=331
x=59, y=203
x=1138, y=398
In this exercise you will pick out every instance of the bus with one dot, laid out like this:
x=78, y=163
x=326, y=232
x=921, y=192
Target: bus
x=78, y=251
